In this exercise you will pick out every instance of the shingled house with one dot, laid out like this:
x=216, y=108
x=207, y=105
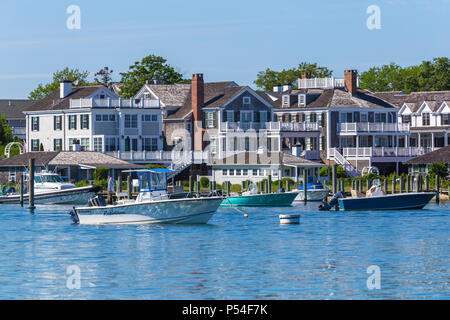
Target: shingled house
x=72, y=166
x=13, y=109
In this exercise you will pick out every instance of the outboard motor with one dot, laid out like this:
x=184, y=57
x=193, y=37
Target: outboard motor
x=97, y=201
x=326, y=206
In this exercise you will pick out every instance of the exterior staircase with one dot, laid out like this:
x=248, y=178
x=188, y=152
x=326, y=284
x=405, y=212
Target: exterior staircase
x=348, y=167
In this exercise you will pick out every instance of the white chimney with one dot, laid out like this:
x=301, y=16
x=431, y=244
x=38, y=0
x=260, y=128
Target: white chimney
x=286, y=87
x=65, y=88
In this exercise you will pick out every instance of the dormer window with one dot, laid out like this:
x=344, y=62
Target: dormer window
x=102, y=97
x=286, y=100
x=246, y=100
x=302, y=99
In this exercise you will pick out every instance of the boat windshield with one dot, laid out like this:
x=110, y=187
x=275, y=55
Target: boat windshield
x=150, y=181
x=48, y=178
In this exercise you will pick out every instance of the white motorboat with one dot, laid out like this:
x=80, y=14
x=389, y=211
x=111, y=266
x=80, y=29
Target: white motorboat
x=314, y=192
x=50, y=188
x=153, y=205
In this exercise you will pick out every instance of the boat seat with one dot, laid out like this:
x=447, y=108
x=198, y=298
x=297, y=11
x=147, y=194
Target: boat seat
x=356, y=194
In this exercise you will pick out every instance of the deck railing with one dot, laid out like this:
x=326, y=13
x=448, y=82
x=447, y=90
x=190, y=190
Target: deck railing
x=114, y=103
x=270, y=126
x=353, y=127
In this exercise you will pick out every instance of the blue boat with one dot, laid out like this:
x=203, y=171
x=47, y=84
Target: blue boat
x=402, y=201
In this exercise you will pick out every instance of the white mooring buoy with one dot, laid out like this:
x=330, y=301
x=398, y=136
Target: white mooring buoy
x=289, y=218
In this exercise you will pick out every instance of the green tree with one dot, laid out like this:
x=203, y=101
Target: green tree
x=428, y=76
x=79, y=78
x=267, y=79
x=6, y=135
x=439, y=169
x=149, y=68
x=103, y=76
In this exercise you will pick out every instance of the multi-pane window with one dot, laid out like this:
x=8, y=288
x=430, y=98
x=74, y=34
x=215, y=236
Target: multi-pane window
x=57, y=122
x=98, y=144
x=34, y=144
x=34, y=123
x=73, y=122
x=255, y=172
x=57, y=144
x=150, y=144
x=131, y=121
x=224, y=172
x=111, y=144
x=406, y=118
x=445, y=119
x=246, y=116
x=246, y=100
x=364, y=117
x=84, y=121
x=213, y=146
x=425, y=119
x=84, y=144
x=210, y=119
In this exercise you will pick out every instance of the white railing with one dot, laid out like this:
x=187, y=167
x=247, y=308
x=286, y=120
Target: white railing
x=353, y=127
x=176, y=157
x=321, y=83
x=347, y=166
x=114, y=103
x=270, y=126
x=368, y=152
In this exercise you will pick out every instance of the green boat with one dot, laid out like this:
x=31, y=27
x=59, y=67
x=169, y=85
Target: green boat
x=282, y=199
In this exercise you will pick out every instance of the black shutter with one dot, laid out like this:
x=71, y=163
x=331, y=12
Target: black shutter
x=371, y=117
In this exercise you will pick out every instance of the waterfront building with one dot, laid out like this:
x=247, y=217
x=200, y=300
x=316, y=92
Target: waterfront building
x=421, y=165
x=257, y=166
x=13, y=109
x=93, y=118
x=70, y=165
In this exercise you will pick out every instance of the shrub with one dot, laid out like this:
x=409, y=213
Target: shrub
x=323, y=172
x=155, y=166
x=204, y=182
x=101, y=173
x=439, y=169
x=236, y=188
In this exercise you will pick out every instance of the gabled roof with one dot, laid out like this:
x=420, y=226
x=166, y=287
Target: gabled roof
x=267, y=158
x=437, y=156
x=213, y=92
x=41, y=159
x=53, y=102
x=362, y=99
x=13, y=108
x=398, y=98
x=170, y=94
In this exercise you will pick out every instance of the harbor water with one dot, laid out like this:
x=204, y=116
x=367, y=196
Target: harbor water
x=329, y=255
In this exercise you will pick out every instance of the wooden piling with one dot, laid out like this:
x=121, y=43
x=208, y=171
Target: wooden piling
x=129, y=187
x=408, y=184
x=119, y=183
x=334, y=178
x=385, y=186
x=393, y=184
x=21, y=190
x=402, y=184
x=269, y=183
x=437, y=188
x=31, y=169
x=427, y=183
x=304, y=186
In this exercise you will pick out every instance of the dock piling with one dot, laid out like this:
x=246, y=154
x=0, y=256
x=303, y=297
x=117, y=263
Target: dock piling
x=437, y=188
x=21, y=190
x=31, y=169
x=304, y=186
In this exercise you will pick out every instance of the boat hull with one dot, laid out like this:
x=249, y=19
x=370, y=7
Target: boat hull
x=283, y=199
x=79, y=195
x=185, y=211
x=403, y=201
x=313, y=195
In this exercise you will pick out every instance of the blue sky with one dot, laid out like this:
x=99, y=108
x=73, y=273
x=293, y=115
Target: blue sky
x=224, y=40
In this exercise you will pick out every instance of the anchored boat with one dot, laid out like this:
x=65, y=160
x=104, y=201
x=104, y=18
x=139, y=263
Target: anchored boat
x=314, y=192
x=50, y=188
x=375, y=199
x=153, y=205
x=251, y=198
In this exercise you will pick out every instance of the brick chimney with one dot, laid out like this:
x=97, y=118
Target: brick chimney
x=351, y=81
x=197, y=99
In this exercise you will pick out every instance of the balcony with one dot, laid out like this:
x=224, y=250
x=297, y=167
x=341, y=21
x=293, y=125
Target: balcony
x=114, y=103
x=166, y=157
x=385, y=152
x=321, y=83
x=269, y=126
x=373, y=127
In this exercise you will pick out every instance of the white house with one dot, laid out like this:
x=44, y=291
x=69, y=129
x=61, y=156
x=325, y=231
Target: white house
x=93, y=118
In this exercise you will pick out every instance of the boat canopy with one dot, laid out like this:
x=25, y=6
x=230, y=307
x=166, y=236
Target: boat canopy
x=152, y=179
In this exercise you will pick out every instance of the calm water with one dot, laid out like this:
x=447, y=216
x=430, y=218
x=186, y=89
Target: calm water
x=325, y=257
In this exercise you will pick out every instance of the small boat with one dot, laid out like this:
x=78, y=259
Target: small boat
x=251, y=198
x=314, y=192
x=375, y=199
x=153, y=205
x=50, y=188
